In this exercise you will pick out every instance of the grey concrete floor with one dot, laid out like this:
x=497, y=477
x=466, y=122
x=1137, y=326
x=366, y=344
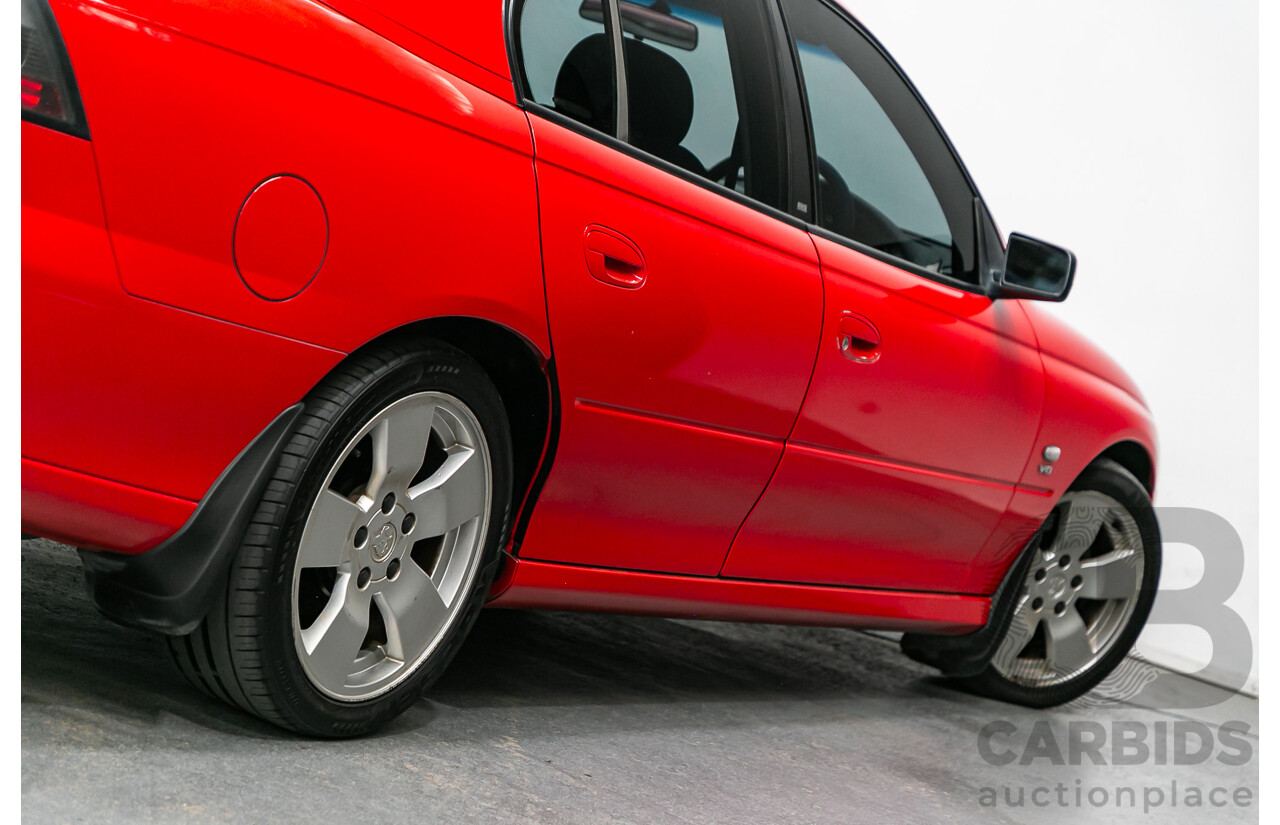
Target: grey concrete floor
x=568, y=718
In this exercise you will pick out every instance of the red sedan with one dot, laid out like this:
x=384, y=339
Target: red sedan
x=344, y=319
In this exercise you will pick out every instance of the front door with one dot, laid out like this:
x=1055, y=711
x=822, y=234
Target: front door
x=685, y=308
x=926, y=395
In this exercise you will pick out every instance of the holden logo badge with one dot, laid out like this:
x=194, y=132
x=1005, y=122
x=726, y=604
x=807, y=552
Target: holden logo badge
x=383, y=542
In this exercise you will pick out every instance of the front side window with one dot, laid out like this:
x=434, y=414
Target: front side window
x=700, y=84
x=886, y=177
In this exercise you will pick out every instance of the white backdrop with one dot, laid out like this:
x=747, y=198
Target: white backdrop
x=1141, y=157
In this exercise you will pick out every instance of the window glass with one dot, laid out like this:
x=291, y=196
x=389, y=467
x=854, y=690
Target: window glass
x=567, y=61
x=702, y=93
x=701, y=85
x=689, y=91
x=886, y=177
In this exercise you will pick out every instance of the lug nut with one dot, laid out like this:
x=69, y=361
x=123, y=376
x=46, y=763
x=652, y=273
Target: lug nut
x=1039, y=575
x=362, y=580
x=1066, y=560
x=1077, y=581
x=362, y=535
x=393, y=569
x=388, y=502
x=1060, y=608
x=1037, y=603
x=407, y=525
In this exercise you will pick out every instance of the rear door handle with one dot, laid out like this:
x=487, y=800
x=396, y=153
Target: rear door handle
x=858, y=339
x=613, y=258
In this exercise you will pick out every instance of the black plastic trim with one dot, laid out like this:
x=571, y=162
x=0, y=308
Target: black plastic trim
x=515, y=60
x=894, y=260
x=544, y=470
x=990, y=249
x=172, y=586
x=800, y=172
x=969, y=655
x=621, y=103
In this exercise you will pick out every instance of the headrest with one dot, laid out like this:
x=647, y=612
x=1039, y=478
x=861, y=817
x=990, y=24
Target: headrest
x=660, y=94
x=584, y=86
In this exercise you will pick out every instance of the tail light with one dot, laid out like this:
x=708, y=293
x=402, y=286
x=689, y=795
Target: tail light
x=49, y=95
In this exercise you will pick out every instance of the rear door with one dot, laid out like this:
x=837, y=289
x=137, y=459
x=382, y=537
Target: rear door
x=685, y=305
x=926, y=394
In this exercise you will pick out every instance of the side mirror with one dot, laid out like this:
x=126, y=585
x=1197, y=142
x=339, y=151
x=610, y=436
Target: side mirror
x=1036, y=270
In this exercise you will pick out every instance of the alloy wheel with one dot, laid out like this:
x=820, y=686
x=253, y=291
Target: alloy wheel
x=391, y=545
x=1082, y=586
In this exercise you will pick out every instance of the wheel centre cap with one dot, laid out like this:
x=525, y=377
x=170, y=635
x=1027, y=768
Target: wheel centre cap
x=383, y=542
x=1057, y=586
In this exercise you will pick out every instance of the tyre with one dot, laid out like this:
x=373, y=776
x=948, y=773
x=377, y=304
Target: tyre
x=1086, y=595
x=371, y=551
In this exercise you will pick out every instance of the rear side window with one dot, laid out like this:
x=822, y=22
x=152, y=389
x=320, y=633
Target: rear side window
x=681, y=93
x=567, y=61
x=700, y=83
x=886, y=177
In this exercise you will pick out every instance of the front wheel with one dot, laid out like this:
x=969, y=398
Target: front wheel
x=371, y=551
x=1086, y=595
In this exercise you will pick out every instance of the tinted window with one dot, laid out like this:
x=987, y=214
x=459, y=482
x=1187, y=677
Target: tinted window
x=567, y=61
x=682, y=102
x=886, y=177
x=701, y=85
x=702, y=91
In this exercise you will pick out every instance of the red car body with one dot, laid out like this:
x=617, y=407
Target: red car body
x=700, y=446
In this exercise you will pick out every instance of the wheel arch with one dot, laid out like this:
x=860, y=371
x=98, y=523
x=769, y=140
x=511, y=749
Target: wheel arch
x=525, y=378
x=1135, y=458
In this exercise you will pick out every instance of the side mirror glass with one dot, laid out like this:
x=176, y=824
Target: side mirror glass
x=1036, y=270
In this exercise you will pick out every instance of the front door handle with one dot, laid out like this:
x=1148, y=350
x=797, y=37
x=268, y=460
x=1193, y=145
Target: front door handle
x=858, y=339
x=612, y=258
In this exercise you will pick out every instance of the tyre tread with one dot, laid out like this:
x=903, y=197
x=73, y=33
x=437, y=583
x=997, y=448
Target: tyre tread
x=224, y=655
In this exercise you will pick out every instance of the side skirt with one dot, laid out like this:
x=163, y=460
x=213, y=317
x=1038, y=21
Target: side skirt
x=550, y=586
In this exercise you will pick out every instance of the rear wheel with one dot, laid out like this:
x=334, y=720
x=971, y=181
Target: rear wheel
x=371, y=551
x=1086, y=595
